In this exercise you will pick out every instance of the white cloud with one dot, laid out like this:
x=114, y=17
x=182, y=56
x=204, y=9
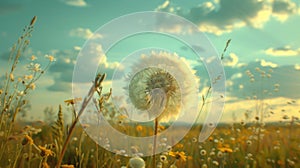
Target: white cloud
x=232, y=60
x=268, y=64
x=223, y=16
x=283, y=51
x=282, y=9
x=84, y=33
x=79, y=3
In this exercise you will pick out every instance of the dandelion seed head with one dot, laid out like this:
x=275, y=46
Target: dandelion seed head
x=161, y=83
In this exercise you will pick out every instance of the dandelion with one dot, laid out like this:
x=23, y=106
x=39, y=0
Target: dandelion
x=137, y=162
x=163, y=86
x=178, y=155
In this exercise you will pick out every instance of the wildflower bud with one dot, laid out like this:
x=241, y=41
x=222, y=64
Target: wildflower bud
x=33, y=20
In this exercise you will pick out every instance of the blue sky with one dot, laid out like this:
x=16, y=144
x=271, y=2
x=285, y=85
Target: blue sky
x=264, y=34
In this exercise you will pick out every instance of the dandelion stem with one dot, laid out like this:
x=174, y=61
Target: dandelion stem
x=154, y=141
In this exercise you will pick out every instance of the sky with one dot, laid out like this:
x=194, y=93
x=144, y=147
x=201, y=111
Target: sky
x=264, y=34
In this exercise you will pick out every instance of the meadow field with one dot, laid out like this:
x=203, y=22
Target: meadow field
x=58, y=142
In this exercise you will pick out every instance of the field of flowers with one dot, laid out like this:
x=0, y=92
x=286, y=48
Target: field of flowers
x=251, y=143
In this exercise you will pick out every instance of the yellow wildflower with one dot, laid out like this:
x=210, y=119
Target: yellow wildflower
x=45, y=152
x=72, y=101
x=28, y=77
x=178, y=155
x=32, y=86
x=33, y=57
x=45, y=165
x=139, y=128
x=27, y=140
x=1, y=91
x=179, y=145
x=67, y=166
x=50, y=57
x=225, y=149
